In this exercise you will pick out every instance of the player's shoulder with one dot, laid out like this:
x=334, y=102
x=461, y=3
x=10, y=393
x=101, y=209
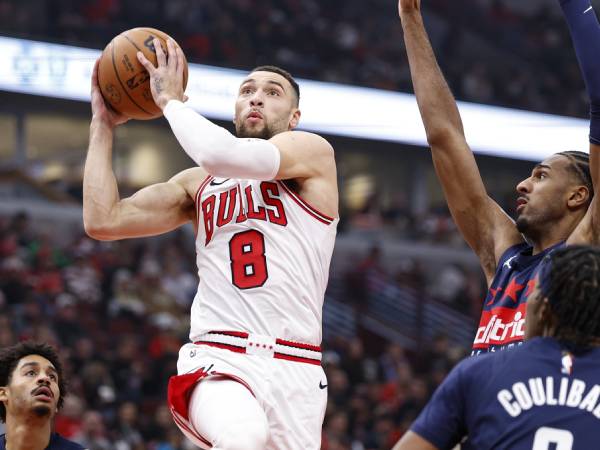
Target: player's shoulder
x=488, y=364
x=57, y=442
x=192, y=176
x=513, y=251
x=60, y=443
x=306, y=140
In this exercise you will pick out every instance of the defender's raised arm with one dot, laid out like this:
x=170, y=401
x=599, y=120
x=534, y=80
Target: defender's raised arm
x=483, y=224
x=585, y=32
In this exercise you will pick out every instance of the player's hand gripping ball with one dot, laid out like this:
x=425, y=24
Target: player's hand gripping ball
x=123, y=81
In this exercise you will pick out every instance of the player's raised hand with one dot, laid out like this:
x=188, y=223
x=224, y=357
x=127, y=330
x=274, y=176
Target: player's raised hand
x=100, y=109
x=407, y=6
x=166, y=79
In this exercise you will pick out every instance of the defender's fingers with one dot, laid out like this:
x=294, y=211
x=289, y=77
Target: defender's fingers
x=161, y=59
x=146, y=63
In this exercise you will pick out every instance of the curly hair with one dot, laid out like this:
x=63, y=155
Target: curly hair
x=10, y=357
x=571, y=282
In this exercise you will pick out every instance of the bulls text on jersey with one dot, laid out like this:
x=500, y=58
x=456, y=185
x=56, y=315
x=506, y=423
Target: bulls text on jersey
x=219, y=210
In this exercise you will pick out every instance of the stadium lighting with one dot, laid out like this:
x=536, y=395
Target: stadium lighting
x=62, y=71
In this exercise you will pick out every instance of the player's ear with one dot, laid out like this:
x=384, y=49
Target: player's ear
x=3, y=393
x=578, y=197
x=294, y=119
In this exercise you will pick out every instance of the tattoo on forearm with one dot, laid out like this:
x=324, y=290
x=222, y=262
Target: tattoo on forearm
x=158, y=85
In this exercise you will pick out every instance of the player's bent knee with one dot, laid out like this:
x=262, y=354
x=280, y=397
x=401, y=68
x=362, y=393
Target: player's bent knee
x=250, y=434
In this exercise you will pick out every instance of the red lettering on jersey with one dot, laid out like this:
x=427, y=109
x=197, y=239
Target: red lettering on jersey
x=208, y=212
x=242, y=215
x=271, y=197
x=260, y=214
x=223, y=219
x=500, y=326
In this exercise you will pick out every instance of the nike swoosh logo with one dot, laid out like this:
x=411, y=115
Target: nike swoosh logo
x=214, y=183
x=588, y=10
x=321, y=385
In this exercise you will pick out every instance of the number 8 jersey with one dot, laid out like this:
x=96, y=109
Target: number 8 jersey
x=263, y=258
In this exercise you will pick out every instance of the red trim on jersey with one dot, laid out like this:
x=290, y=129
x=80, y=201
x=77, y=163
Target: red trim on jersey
x=316, y=362
x=233, y=348
x=232, y=378
x=197, y=197
x=180, y=390
x=240, y=334
x=305, y=206
x=314, y=348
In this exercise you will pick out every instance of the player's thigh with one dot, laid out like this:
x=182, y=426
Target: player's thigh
x=296, y=405
x=226, y=414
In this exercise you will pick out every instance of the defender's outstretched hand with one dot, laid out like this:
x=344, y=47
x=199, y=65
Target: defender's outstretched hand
x=166, y=80
x=100, y=109
x=407, y=6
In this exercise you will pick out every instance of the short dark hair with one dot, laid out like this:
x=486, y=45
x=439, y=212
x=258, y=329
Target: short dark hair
x=9, y=360
x=571, y=282
x=285, y=74
x=580, y=167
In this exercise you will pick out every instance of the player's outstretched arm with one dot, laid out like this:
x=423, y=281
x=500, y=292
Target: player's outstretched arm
x=484, y=225
x=585, y=32
x=153, y=210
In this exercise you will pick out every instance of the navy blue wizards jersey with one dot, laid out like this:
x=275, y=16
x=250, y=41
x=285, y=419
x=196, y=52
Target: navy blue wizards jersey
x=57, y=442
x=502, y=323
x=535, y=397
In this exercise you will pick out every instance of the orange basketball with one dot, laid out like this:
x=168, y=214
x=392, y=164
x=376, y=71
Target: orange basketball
x=124, y=82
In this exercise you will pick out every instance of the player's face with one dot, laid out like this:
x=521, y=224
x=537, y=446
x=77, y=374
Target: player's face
x=265, y=106
x=33, y=388
x=543, y=197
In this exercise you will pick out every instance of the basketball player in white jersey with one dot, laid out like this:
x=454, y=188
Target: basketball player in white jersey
x=265, y=207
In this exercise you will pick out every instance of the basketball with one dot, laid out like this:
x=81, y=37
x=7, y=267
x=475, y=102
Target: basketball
x=124, y=82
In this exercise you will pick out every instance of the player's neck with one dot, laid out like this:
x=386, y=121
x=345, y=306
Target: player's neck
x=27, y=433
x=553, y=232
x=541, y=244
x=552, y=235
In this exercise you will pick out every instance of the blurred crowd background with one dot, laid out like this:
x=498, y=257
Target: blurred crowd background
x=405, y=291
x=503, y=52
x=119, y=312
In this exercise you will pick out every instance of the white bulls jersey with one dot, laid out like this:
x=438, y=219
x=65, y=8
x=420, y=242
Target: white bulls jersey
x=263, y=259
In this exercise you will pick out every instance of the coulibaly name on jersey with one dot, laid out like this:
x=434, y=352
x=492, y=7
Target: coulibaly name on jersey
x=233, y=205
x=548, y=391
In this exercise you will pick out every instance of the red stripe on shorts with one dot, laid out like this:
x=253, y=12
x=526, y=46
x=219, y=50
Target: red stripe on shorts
x=316, y=362
x=240, y=334
x=233, y=348
x=314, y=348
